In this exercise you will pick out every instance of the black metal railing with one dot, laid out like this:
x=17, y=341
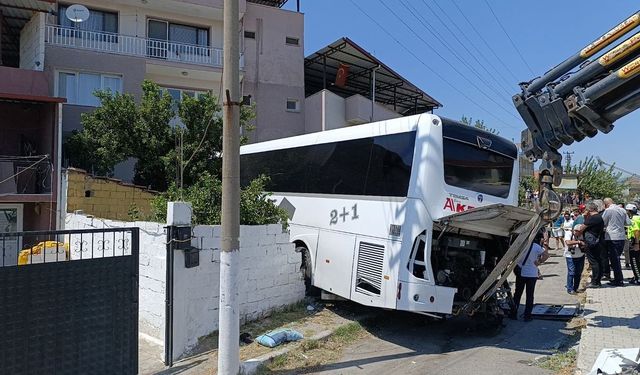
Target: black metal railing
x=25, y=248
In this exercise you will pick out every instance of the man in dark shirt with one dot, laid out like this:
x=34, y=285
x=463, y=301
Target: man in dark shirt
x=593, y=232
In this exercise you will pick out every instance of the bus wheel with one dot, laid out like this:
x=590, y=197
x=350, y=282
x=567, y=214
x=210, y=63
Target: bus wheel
x=306, y=270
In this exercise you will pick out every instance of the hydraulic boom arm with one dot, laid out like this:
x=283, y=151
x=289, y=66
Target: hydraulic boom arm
x=562, y=107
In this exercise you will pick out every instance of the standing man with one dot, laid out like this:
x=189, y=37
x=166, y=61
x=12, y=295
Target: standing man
x=615, y=219
x=633, y=233
x=592, y=231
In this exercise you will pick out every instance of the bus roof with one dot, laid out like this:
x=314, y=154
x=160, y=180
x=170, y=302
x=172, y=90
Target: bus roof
x=393, y=126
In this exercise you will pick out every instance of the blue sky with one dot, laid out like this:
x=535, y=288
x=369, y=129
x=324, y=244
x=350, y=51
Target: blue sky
x=544, y=31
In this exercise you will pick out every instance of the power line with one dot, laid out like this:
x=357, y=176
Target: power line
x=509, y=37
x=505, y=66
x=473, y=45
x=446, y=61
x=433, y=30
x=428, y=67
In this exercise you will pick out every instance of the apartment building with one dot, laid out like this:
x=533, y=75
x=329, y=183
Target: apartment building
x=177, y=44
x=30, y=127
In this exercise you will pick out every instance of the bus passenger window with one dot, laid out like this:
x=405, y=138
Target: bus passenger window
x=417, y=265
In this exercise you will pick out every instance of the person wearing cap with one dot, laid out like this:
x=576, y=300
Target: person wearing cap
x=615, y=219
x=573, y=256
x=633, y=234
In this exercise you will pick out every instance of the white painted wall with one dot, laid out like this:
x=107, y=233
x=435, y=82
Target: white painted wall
x=325, y=110
x=32, y=43
x=358, y=111
x=270, y=277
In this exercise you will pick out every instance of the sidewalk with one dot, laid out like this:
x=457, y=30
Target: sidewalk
x=613, y=321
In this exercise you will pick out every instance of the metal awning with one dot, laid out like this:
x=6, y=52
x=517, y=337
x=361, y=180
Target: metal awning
x=271, y=3
x=15, y=14
x=391, y=89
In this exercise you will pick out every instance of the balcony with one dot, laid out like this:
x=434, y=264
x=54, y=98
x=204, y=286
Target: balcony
x=27, y=176
x=134, y=46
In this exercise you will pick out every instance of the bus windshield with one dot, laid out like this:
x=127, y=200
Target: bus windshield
x=481, y=170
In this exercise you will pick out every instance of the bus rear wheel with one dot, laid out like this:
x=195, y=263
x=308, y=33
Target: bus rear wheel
x=306, y=269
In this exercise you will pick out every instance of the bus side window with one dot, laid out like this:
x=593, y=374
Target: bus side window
x=417, y=265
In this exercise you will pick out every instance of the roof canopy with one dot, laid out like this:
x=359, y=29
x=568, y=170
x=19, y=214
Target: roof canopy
x=15, y=14
x=321, y=67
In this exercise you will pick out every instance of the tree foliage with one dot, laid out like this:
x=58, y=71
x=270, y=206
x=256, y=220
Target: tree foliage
x=527, y=184
x=597, y=180
x=120, y=128
x=478, y=124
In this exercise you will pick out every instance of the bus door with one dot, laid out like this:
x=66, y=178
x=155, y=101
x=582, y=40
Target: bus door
x=334, y=262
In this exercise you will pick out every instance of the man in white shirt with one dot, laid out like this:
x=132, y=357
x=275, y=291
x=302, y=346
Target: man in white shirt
x=615, y=219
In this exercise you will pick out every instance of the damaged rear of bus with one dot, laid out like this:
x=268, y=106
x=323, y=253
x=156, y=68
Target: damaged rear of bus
x=466, y=238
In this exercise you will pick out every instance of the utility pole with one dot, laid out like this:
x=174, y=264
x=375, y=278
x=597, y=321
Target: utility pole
x=229, y=329
x=568, y=158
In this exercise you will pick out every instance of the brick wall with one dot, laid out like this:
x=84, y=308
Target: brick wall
x=105, y=197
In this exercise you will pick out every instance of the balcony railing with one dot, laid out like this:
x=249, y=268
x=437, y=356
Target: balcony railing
x=25, y=175
x=133, y=46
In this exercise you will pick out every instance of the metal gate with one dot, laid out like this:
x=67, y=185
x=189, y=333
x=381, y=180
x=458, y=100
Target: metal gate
x=69, y=302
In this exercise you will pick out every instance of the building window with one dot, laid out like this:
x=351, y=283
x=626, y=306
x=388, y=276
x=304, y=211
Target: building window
x=99, y=20
x=293, y=105
x=246, y=100
x=178, y=33
x=250, y=34
x=292, y=41
x=79, y=87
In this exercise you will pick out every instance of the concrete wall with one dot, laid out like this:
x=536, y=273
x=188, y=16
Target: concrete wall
x=32, y=43
x=274, y=70
x=358, y=111
x=270, y=277
x=325, y=110
x=109, y=198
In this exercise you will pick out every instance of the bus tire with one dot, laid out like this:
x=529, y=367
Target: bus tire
x=306, y=269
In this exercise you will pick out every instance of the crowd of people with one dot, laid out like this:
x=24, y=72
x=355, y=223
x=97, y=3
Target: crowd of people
x=567, y=198
x=599, y=231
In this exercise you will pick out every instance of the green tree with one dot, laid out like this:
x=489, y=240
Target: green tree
x=478, y=124
x=120, y=129
x=597, y=180
x=527, y=183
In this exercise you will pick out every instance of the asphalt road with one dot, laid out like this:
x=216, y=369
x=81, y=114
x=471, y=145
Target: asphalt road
x=403, y=343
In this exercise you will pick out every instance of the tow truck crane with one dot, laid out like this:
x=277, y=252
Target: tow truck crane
x=564, y=106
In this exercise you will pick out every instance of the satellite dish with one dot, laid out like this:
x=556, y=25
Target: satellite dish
x=77, y=13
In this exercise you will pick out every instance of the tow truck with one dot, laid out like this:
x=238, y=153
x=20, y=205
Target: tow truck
x=579, y=98
x=564, y=106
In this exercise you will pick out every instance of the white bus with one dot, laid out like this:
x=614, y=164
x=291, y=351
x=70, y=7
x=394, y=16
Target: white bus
x=380, y=211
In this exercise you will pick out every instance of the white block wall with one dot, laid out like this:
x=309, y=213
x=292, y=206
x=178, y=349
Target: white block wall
x=270, y=277
x=32, y=43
